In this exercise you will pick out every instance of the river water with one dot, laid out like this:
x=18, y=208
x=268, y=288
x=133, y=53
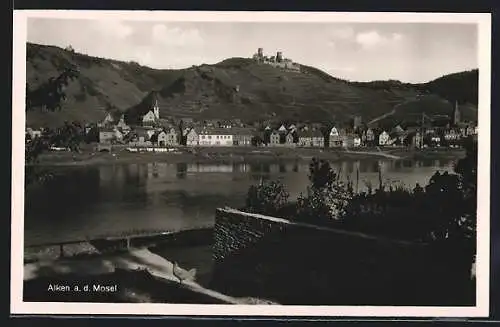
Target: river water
x=92, y=201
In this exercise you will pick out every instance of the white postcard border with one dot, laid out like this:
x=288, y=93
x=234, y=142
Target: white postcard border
x=17, y=185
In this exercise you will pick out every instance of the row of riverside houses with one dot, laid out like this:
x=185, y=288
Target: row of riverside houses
x=226, y=135
x=350, y=137
x=167, y=132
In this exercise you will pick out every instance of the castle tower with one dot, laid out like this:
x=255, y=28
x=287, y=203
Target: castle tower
x=456, y=114
x=260, y=52
x=279, y=56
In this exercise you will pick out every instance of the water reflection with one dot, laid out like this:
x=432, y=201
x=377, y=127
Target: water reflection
x=110, y=199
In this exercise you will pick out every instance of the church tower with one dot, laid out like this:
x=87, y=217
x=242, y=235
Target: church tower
x=156, y=109
x=456, y=115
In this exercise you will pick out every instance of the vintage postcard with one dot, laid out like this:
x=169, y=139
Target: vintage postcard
x=251, y=164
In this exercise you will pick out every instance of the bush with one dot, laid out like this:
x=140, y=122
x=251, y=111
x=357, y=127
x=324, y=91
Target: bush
x=326, y=198
x=268, y=198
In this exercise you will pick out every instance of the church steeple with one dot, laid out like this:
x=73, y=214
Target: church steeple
x=156, y=108
x=456, y=114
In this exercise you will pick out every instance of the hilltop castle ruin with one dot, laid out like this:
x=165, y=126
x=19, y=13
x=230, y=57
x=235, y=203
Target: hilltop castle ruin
x=277, y=61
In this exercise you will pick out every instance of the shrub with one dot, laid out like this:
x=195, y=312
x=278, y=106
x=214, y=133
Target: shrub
x=268, y=198
x=326, y=198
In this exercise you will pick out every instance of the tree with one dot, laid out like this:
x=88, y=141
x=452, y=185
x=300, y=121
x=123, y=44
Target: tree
x=257, y=140
x=327, y=197
x=51, y=94
x=267, y=198
x=467, y=170
x=48, y=96
x=321, y=175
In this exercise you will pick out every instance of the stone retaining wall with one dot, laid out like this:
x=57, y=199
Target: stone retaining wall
x=295, y=263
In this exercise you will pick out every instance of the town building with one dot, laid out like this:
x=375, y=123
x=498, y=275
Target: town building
x=215, y=137
x=118, y=134
x=124, y=128
x=282, y=129
x=192, y=137
x=159, y=138
x=106, y=135
x=334, y=138
x=348, y=140
x=383, y=138
x=291, y=138
x=357, y=141
x=152, y=116
x=452, y=135
x=370, y=136
x=140, y=138
x=275, y=138
x=149, y=118
x=242, y=136
x=172, y=137
x=311, y=139
x=33, y=133
x=108, y=120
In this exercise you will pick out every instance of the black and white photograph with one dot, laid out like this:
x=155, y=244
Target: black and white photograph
x=267, y=164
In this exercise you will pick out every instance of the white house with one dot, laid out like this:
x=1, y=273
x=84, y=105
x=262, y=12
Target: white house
x=107, y=120
x=436, y=140
x=383, y=138
x=334, y=138
x=216, y=137
x=33, y=133
x=118, y=134
x=282, y=129
x=192, y=137
x=357, y=141
x=161, y=138
x=150, y=132
x=123, y=126
x=334, y=131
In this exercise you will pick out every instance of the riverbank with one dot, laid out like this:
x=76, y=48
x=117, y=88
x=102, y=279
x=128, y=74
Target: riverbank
x=225, y=155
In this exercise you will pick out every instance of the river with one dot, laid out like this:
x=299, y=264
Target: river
x=93, y=201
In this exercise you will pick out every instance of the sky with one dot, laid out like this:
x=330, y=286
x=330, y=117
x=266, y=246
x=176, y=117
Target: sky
x=409, y=52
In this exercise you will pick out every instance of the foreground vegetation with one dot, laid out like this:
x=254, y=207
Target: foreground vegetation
x=442, y=213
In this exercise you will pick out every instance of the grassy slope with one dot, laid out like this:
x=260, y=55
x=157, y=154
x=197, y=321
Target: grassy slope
x=102, y=84
x=207, y=91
